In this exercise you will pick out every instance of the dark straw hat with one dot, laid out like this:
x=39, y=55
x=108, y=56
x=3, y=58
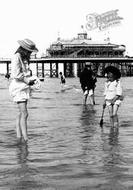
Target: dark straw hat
x=28, y=45
x=114, y=70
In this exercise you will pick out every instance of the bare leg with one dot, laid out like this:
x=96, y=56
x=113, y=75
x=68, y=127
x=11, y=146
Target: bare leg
x=92, y=99
x=115, y=116
x=91, y=95
x=110, y=108
x=85, y=99
x=18, y=128
x=23, y=118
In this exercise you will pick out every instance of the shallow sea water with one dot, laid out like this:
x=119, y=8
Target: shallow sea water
x=67, y=149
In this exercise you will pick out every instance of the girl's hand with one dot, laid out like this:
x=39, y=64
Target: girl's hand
x=31, y=82
x=114, y=99
x=112, y=102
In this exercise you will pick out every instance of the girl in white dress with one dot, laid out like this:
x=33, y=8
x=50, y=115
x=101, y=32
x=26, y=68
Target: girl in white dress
x=20, y=84
x=113, y=93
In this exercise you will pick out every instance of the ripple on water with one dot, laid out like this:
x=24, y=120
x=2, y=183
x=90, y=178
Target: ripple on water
x=67, y=149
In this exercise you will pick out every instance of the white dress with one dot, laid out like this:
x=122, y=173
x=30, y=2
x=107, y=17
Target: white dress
x=18, y=89
x=111, y=90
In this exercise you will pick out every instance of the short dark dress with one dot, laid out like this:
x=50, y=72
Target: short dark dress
x=63, y=81
x=86, y=80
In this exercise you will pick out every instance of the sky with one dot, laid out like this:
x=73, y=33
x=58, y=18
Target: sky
x=43, y=21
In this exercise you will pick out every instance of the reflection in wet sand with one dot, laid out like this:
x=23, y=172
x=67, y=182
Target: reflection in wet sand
x=113, y=161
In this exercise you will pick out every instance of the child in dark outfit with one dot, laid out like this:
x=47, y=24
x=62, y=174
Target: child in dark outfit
x=88, y=81
x=62, y=78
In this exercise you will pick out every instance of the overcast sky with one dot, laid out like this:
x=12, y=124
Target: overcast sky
x=43, y=20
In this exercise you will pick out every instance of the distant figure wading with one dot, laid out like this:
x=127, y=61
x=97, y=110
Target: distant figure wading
x=20, y=84
x=62, y=79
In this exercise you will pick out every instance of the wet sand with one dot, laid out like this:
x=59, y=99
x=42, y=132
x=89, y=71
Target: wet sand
x=67, y=149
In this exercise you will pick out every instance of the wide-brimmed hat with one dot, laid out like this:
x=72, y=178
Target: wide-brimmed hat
x=28, y=45
x=113, y=70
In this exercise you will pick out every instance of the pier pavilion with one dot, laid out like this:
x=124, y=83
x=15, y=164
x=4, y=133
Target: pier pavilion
x=75, y=53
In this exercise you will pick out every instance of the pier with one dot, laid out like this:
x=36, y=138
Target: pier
x=71, y=67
